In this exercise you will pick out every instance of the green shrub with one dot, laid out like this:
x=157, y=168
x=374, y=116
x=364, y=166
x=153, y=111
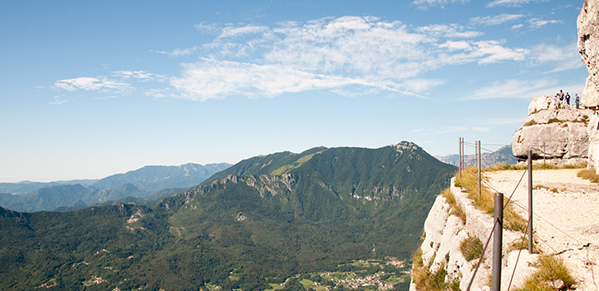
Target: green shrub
x=486, y=203
x=472, y=248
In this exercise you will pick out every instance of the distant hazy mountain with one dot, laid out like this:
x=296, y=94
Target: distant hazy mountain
x=503, y=155
x=154, y=178
x=50, y=198
x=22, y=188
x=257, y=223
x=149, y=182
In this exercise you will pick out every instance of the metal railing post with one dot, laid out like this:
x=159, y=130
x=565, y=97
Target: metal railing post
x=460, y=160
x=530, y=202
x=497, y=242
x=479, y=168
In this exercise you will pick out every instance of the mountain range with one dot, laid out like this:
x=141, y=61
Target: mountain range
x=504, y=155
x=255, y=225
x=148, y=183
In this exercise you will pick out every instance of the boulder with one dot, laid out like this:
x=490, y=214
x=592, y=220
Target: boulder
x=553, y=130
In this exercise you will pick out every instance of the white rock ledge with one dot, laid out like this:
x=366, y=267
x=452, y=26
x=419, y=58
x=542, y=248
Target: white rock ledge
x=444, y=234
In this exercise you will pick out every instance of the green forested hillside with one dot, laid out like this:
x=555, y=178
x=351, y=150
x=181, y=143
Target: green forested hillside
x=259, y=223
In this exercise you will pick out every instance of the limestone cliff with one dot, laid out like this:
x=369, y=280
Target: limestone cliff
x=443, y=234
x=555, y=131
x=588, y=45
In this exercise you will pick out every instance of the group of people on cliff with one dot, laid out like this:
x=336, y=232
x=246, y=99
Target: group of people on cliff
x=560, y=95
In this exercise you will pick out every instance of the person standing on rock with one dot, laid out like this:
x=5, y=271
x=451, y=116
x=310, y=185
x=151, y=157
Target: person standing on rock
x=561, y=95
x=577, y=101
x=568, y=98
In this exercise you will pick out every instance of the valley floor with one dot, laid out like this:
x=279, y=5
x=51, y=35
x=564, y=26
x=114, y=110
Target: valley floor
x=566, y=216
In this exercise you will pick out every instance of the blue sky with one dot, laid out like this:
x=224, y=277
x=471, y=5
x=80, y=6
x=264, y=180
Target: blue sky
x=94, y=88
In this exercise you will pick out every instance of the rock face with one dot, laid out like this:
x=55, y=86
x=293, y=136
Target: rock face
x=441, y=247
x=588, y=45
x=554, y=131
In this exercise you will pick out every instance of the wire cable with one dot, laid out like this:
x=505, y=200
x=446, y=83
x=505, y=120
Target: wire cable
x=481, y=257
x=518, y=258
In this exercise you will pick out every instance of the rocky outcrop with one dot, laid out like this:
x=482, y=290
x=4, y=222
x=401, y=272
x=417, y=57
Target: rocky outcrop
x=444, y=232
x=554, y=131
x=588, y=45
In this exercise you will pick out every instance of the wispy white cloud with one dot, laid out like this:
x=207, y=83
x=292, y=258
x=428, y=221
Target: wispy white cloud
x=332, y=54
x=517, y=26
x=493, y=51
x=511, y=3
x=437, y=3
x=564, y=57
x=158, y=93
x=58, y=100
x=482, y=52
x=538, y=23
x=347, y=55
x=207, y=27
x=450, y=129
x=142, y=76
x=93, y=84
x=213, y=79
x=117, y=84
x=514, y=88
x=495, y=20
x=233, y=31
x=178, y=52
x=448, y=31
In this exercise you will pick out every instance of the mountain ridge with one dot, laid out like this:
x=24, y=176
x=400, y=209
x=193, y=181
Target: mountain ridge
x=145, y=182
x=244, y=229
x=504, y=155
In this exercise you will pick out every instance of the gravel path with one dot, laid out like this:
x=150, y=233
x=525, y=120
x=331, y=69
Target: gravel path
x=566, y=217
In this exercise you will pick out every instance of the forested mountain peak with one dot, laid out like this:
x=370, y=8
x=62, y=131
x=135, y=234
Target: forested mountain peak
x=263, y=220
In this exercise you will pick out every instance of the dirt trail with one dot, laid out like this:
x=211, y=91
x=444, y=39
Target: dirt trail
x=566, y=217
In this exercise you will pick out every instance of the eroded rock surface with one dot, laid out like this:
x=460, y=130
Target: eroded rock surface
x=441, y=247
x=588, y=45
x=553, y=130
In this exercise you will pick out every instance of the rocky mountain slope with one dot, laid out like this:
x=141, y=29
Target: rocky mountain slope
x=154, y=178
x=148, y=182
x=261, y=222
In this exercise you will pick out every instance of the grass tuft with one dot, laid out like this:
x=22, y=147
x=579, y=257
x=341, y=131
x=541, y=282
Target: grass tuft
x=550, y=268
x=425, y=280
x=486, y=203
x=455, y=209
x=530, y=123
x=590, y=175
x=519, y=244
x=472, y=248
